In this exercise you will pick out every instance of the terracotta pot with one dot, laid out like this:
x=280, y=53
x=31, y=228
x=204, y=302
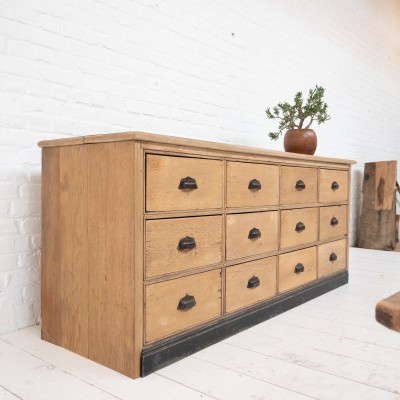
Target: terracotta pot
x=303, y=141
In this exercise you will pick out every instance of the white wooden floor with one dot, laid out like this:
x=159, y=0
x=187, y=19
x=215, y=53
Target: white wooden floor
x=329, y=348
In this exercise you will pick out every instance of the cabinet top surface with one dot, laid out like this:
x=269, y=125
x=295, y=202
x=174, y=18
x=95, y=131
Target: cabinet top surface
x=183, y=142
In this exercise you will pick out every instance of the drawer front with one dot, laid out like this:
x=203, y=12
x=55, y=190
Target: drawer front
x=250, y=282
x=332, y=257
x=251, y=185
x=298, y=185
x=178, y=183
x=297, y=268
x=299, y=226
x=251, y=233
x=170, y=308
x=332, y=221
x=182, y=243
x=333, y=185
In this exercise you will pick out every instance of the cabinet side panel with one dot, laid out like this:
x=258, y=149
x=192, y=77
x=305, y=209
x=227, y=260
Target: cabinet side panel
x=111, y=228
x=74, y=260
x=50, y=255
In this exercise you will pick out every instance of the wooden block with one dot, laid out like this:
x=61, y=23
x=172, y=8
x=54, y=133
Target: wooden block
x=377, y=228
x=387, y=312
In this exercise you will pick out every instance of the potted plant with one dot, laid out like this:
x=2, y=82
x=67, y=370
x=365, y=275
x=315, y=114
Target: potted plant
x=297, y=118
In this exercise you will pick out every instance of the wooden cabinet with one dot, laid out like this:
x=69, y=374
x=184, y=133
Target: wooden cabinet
x=154, y=247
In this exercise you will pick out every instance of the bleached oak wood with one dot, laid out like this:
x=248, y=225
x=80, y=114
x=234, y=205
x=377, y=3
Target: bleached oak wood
x=238, y=227
x=240, y=174
x=163, y=177
x=332, y=221
x=74, y=245
x=238, y=294
x=327, y=265
x=162, y=299
x=288, y=277
x=327, y=177
x=292, y=176
x=51, y=247
x=290, y=218
x=162, y=244
x=111, y=221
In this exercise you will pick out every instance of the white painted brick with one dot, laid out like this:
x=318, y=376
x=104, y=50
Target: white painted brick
x=3, y=44
x=41, y=53
x=51, y=24
x=8, y=262
x=30, y=226
x=8, y=226
x=20, y=48
x=13, y=83
x=25, y=15
x=36, y=241
x=28, y=260
x=8, y=191
x=14, y=244
x=5, y=207
x=42, y=38
x=19, y=67
x=24, y=208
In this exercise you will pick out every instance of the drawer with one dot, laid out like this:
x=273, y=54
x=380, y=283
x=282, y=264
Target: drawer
x=333, y=185
x=332, y=257
x=332, y=221
x=179, y=183
x=250, y=282
x=251, y=185
x=297, y=268
x=251, y=233
x=178, y=244
x=299, y=226
x=179, y=304
x=298, y=185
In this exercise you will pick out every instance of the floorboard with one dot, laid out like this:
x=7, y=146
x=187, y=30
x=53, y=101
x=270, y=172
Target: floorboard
x=328, y=348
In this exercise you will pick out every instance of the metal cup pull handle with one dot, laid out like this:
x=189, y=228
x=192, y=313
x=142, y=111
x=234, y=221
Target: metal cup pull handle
x=253, y=282
x=254, y=233
x=187, y=183
x=300, y=185
x=187, y=243
x=186, y=303
x=254, y=184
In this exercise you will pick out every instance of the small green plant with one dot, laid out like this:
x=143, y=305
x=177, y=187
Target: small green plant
x=294, y=116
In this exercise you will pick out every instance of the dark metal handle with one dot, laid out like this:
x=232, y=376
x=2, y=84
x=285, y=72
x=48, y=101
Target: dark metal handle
x=300, y=227
x=335, y=185
x=333, y=257
x=187, y=183
x=187, y=243
x=299, y=268
x=254, y=233
x=300, y=185
x=334, y=221
x=186, y=303
x=253, y=282
x=254, y=184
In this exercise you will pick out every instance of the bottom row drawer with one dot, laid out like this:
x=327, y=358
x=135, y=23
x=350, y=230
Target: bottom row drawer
x=297, y=268
x=250, y=282
x=179, y=304
x=332, y=257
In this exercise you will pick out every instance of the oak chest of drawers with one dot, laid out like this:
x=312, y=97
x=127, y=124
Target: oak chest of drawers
x=154, y=247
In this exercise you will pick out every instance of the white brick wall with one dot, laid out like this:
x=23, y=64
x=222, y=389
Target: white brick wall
x=201, y=69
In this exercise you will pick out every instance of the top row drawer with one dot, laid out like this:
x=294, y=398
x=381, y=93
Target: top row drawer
x=179, y=183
